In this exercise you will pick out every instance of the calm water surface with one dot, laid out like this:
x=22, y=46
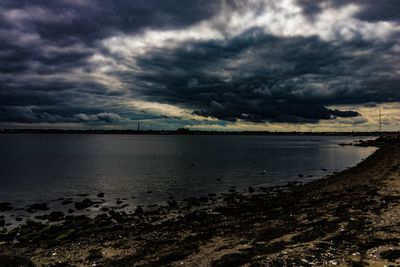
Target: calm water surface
x=45, y=167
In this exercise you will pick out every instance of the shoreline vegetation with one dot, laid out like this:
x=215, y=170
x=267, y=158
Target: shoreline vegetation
x=351, y=218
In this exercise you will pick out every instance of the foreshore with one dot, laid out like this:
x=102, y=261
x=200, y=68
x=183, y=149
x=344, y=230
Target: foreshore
x=351, y=218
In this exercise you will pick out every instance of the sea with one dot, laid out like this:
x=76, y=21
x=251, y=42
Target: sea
x=148, y=169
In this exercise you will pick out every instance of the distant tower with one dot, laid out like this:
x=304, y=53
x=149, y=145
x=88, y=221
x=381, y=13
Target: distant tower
x=380, y=119
x=138, y=127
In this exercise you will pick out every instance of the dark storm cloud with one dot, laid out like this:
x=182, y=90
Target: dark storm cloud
x=66, y=21
x=31, y=115
x=285, y=80
x=46, y=72
x=54, y=36
x=371, y=10
x=44, y=43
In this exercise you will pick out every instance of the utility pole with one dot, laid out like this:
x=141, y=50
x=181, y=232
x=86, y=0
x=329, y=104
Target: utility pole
x=380, y=119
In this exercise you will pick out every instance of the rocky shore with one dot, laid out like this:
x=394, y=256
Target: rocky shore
x=347, y=219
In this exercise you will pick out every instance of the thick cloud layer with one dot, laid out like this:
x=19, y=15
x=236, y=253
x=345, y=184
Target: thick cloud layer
x=260, y=77
x=100, y=62
x=371, y=10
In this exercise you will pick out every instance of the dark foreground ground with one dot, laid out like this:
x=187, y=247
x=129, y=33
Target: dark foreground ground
x=348, y=219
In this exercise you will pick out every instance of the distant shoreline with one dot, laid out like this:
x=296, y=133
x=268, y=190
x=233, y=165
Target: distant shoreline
x=184, y=131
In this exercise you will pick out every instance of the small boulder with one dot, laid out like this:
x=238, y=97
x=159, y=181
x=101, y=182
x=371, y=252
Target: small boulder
x=56, y=216
x=139, y=211
x=173, y=204
x=10, y=258
x=86, y=203
x=94, y=254
x=5, y=206
x=67, y=201
x=37, y=207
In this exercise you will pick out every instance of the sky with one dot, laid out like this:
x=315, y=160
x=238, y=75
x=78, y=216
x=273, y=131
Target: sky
x=201, y=64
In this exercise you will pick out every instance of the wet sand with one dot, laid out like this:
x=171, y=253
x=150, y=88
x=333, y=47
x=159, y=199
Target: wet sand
x=348, y=219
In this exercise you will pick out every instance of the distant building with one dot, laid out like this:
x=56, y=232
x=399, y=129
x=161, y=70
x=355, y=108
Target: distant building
x=182, y=130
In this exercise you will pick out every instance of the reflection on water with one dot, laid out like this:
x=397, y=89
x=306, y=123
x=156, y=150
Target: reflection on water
x=45, y=167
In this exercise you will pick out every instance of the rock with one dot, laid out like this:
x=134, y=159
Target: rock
x=119, y=202
x=94, y=254
x=105, y=209
x=203, y=199
x=56, y=216
x=82, y=195
x=37, y=207
x=100, y=195
x=293, y=183
x=71, y=211
x=5, y=206
x=139, y=211
x=234, y=259
x=300, y=175
x=391, y=255
x=67, y=201
x=149, y=192
x=251, y=189
x=193, y=202
x=173, y=204
x=86, y=203
x=80, y=220
x=332, y=262
x=117, y=216
x=18, y=219
x=345, y=144
x=10, y=258
x=2, y=222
